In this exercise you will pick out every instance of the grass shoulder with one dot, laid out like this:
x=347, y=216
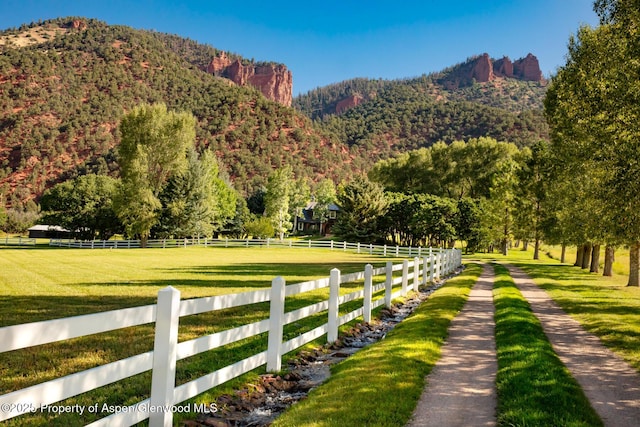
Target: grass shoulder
x=534, y=387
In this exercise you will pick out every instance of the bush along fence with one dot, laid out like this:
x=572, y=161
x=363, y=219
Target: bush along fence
x=384, y=250
x=164, y=395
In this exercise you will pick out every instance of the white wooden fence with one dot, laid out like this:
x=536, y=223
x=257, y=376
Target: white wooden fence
x=17, y=241
x=385, y=250
x=167, y=351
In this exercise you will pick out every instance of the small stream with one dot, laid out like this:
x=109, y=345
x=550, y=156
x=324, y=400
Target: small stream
x=274, y=394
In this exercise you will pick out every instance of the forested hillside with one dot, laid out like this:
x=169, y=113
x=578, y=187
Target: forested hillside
x=65, y=85
x=412, y=113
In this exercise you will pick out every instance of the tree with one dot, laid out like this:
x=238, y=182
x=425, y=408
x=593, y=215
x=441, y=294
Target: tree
x=3, y=216
x=468, y=225
x=593, y=107
x=363, y=204
x=84, y=206
x=325, y=195
x=276, y=200
x=196, y=202
x=153, y=148
x=260, y=227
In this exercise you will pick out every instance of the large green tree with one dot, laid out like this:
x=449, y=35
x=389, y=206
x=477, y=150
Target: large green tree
x=277, y=200
x=363, y=205
x=83, y=206
x=153, y=147
x=593, y=107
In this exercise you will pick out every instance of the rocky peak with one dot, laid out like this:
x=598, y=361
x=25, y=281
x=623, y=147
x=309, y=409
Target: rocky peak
x=78, y=24
x=484, y=69
x=503, y=67
x=273, y=80
x=527, y=68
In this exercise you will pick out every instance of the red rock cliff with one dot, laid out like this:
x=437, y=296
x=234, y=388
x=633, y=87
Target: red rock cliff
x=482, y=70
x=527, y=68
x=273, y=80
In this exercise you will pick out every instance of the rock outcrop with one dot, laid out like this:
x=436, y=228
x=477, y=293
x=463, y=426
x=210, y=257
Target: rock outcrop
x=527, y=68
x=273, y=80
x=483, y=68
x=348, y=102
x=503, y=67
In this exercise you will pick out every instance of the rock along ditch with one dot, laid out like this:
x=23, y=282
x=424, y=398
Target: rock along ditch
x=260, y=404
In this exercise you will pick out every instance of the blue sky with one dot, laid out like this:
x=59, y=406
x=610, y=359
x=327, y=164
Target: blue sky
x=330, y=41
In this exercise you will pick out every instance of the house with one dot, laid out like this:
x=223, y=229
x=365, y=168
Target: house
x=307, y=224
x=42, y=231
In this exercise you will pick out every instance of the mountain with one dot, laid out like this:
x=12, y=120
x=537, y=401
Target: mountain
x=480, y=97
x=66, y=83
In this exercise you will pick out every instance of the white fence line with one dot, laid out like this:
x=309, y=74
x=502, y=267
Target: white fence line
x=385, y=250
x=17, y=241
x=167, y=351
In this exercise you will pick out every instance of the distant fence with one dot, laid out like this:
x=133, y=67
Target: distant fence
x=167, y=351
x=17, y=241
x=385, y=250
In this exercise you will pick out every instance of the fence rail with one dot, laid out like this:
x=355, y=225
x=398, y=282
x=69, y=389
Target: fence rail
x=167, y=351
x=17, y=241
x=384, y=250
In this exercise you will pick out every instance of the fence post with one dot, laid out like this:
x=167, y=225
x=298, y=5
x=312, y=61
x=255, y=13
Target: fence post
x=344, y=246
x=388, y=284
x=358, y=247
x=425, y=273
x=309, y=243
x=370, y=248
x=385, y=250
x=437, y=265
x=334, y=293
x=276, y=323
x=405, y=277
x=163, y=375
x=368, y=292
x=416, y=273
x=432, y=262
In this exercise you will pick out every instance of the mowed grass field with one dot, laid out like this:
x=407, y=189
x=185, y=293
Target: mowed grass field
x=44, y=283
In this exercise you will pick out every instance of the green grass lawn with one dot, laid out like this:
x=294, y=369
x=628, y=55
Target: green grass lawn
x=45, y=283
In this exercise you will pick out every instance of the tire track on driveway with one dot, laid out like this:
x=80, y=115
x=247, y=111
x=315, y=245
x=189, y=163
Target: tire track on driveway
x=611, y=384
x=460, y=390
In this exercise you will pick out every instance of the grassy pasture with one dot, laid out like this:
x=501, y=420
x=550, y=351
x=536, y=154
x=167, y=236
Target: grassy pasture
x=46, y=283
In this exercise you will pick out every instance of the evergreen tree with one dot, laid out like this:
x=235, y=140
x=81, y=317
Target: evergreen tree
x=362, y=206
